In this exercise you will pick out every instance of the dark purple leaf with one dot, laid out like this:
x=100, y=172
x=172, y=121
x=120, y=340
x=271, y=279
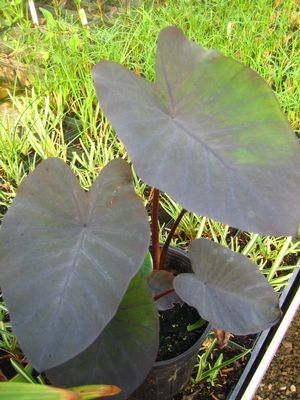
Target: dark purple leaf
x=160, y=282
x=125, y=351
x=67, y=257
x=210, y=133
x=228, y=290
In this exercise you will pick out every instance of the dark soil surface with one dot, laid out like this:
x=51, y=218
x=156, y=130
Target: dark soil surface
x=282, y=380
x=174, y=337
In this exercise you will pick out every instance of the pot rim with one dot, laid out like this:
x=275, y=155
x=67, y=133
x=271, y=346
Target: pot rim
x=164, y=363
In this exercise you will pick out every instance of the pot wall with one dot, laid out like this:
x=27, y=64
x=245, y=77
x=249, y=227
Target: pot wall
x=169, y=377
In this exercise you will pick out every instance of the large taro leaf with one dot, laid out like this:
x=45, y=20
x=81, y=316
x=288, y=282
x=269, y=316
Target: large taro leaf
x=67, y=257
x=124, y=352
x=209, y=132
x=228, y=290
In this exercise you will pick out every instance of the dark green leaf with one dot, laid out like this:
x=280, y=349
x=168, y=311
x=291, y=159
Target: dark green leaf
x=147, y=266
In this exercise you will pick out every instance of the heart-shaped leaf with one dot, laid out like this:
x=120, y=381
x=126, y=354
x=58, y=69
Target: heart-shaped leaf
x=210, y=133
x=67, y=257
x=125, y=351
x=161, y=282
x=228, y=290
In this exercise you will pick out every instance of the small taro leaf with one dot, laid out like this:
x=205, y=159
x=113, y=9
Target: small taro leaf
x=216, y=126
x=95, y=391
x=228, y=290
x=124, y=352
x=147, y=266
x=28, y=391
x=159, y=282
x=67, y=257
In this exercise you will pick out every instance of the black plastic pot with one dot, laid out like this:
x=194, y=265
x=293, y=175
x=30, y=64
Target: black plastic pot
x=169, y=377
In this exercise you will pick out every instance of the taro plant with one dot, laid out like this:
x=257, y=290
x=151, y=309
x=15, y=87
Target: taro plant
x=209, y=133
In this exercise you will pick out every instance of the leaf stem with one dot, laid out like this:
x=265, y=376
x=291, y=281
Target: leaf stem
x=160, y=295
x=155, y=230
x=165, y=249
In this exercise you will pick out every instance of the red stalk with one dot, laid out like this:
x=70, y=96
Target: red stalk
x=160, y=295
x=155, y=230
x=168, y=241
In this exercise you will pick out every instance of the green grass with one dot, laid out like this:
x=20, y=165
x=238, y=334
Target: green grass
x=207, y=368
x=58, y=114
